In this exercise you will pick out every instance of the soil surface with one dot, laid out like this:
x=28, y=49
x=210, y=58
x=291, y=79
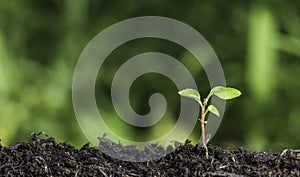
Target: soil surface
x=45, y=157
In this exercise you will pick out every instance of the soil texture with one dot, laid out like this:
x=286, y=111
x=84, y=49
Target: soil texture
x=46, y=157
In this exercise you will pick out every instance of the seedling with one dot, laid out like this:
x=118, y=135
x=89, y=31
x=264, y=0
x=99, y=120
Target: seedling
x=224, y=93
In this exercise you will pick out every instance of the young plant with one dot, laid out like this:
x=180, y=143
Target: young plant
x=224, y=93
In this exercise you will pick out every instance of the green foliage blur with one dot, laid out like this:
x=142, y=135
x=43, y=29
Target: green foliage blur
x=257, y=43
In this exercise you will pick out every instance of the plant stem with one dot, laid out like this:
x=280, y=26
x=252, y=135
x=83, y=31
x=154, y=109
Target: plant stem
x=203, y=113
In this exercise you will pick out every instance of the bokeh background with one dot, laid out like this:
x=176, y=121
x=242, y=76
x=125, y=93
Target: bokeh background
x=257, y=43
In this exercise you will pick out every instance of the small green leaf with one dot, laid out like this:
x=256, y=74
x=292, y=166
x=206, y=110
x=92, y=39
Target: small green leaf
x=225, y=93
x=213, y=109
x=190, y=93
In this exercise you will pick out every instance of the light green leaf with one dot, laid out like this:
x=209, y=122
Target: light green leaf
x=225, y=93
x=213, y=109
x=190, y=93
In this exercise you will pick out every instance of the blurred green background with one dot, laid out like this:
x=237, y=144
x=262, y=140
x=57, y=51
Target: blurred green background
x=257, y=43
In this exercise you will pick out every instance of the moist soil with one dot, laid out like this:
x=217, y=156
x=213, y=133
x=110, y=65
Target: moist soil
x=46, y=157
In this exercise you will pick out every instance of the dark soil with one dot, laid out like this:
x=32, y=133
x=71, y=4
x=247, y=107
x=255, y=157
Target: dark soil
x=45, y=157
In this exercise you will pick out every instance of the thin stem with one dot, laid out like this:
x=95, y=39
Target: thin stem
x=203, y=113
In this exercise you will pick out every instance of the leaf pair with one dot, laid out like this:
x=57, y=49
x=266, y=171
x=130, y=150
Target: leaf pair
x=224, y=93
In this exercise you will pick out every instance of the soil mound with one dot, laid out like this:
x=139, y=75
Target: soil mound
x=46, y=157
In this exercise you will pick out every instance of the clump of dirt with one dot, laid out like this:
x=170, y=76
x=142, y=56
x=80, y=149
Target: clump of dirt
x=46, y=157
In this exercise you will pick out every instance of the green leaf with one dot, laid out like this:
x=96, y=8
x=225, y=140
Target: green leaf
x=225, y=93
x=213, y=109
x=190, y=93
